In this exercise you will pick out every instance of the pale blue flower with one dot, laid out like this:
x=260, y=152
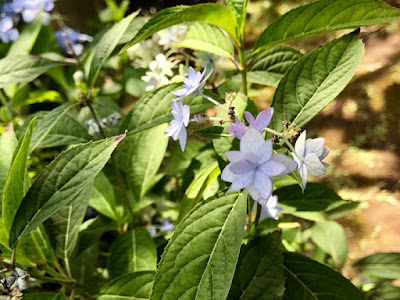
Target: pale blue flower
x=253, y=166
x=29, y=9
x=192, y=84
x=7, y=32
x=177, y=127
x=237, y=129
x=166, y=226
x=269, y=208
x=309, y=155
x=70, y=40
x=262, y=120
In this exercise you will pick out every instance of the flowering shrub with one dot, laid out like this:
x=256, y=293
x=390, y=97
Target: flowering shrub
x=97, y=202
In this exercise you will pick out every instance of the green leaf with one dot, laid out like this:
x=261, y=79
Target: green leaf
x=132, y=286
x=259, y=273
x=8, y=141
x=60, y=182
x=24, y=68
x=132, y=252
x=14, y=189
x=214, y=132
x=27, y=38
x=212, y=13
x=194, y=193
x=180, y=160
x=331, y=238
x=40, y=296
x=46, y=124
x=67, y=221
x=387, y=292
x=199, y=261
x=382, y=265
x=340, y=209
x=103, y=198
x=36, y=97
x=207, y=37
x=316, y=197
x=308, y=279
x=154, y=108
x=270, y=66
x=59, y=296
x=147, y=153
x=106, y=46
x=325, y=16
x=239, y=7
x=315, y=80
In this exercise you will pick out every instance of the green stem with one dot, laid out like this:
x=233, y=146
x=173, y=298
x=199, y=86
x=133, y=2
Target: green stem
x=243, y=65
x=258, y=215
x=4, y=102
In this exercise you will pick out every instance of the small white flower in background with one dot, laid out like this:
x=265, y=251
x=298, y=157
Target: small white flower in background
x=114, y=118
x=309, y=155
x=166, y=226
x=152, y=230
x=78, y=76
x=177, y=127
x=168, y=37
x=192, y=84
x=159, y=69
x=269, y=208
x=93, y=127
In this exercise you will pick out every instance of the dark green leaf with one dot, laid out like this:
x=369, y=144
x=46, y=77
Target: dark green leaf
x=214, y=132
x=340, y=209
x=308, y=279
x=8, y=141
x=325, y=16
x=24, y=68
x=132, y=252
x=67, y=221
x=14, y=189
x=315, y=80
x=316, y=197
x=131, y=286
x=106, y=46
x=212, y=13
x=199, y=261
x=331, y=238
x=259, y=273
x=180, y=160
x=60, y=182
x=387, y=292
x=207, y=37
x=383, y=265
x=155, y=108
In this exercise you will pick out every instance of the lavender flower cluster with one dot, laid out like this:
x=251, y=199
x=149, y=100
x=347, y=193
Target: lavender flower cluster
x=253, y=166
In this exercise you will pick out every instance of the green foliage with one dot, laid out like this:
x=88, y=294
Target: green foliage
x=8, y=141
x=47, y=195
x=137, y=285
x=322, y=75
x=239, y=7
x=259, y=273
x=201, y=256
x=307, y=279
x=209, y=38
x=212, y=13
x=325, y=16
x=132, y=251
x=382, y=265
x=27, y=38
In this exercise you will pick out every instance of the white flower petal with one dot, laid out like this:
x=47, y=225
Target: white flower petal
x=300, y=145
x=251, y=140
x=227, y=174
x=315, y=146
x=314, y=165
x=289, y=163
x=233, y=156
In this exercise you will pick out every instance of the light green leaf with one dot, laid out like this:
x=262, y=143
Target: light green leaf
x=215, y=132
x=36, y=97
x=382, y=265
x=331, y=238
x=315, y=80
x=131, y=286
x=8, y=141
x=239, y=7
x=207, y=37
x=270, y=66
x=27, y=38
x=194, y=193
x=59, y=296
x=132, y=252
x=340, y=209
x=24, y=68
x=103, y=198
x=199, y=261
x=316, y=197
x=59, y=183
x=67, y=221
x=14, y=189
x=308, y=279
x=155, y=108
x=106, y=46
x=46, y=124
x=147, y=153
x=386, y=292
x=259, y=273
x=212, y=13
x=325, y=16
